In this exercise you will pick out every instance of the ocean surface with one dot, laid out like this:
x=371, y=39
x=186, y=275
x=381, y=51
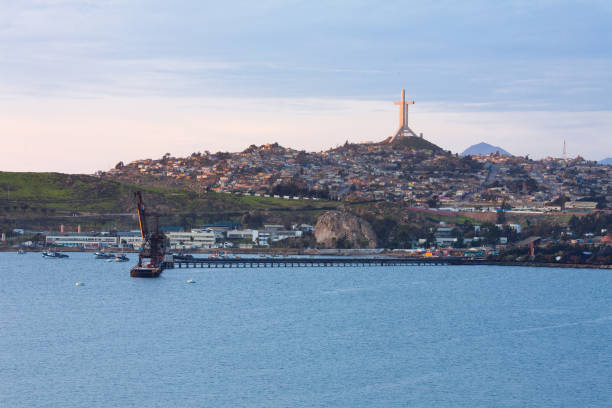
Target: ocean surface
x=427, y=336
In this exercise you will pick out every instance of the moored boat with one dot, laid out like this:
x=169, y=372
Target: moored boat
x=121, y=258
x=104, y=255
x=53, y=255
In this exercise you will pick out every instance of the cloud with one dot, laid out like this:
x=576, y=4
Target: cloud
x=305, y=73
x=476, y=52
x=94, y=134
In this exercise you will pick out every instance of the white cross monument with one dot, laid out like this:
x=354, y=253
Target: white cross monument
x=403, y=130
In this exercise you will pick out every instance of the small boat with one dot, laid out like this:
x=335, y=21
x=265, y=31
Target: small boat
x=79, y=284
x=104, y=255
x=21, y=252
x=121, y=258
x=53, y=255
x=190, y=281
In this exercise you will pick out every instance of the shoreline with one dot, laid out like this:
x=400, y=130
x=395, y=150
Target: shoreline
x=541, y=265
x=455, y=261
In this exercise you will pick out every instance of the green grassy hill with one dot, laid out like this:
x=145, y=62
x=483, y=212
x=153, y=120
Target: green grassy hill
x=61, y=192
x=42, y=198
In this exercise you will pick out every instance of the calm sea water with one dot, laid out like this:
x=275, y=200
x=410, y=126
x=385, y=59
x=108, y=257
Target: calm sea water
x=302, y=337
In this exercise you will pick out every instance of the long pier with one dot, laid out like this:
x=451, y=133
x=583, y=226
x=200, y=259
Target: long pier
x=346, y=261
x=343, y=261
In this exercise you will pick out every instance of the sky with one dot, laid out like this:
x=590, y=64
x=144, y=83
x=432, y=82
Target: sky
x=86, y=84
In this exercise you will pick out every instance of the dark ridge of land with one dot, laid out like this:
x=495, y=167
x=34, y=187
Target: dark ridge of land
x=412, y=142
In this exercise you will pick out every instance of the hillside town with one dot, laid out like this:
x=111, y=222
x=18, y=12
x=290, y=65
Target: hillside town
x=403, y=194
x=411, y=170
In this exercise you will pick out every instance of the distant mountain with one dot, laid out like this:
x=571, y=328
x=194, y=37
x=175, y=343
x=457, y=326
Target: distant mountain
x=607, y=160
x=484, y=148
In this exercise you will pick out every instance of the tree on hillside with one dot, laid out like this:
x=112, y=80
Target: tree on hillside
x=253, y=220
x=560, y=201
x=501, y=214
x=458, y=233
x=433, y=202
x=593, y=223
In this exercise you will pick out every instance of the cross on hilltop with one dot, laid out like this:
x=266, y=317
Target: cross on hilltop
x=403, y=130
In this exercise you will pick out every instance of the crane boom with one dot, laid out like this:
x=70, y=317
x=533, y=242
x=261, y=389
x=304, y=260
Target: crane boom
x=142, y=221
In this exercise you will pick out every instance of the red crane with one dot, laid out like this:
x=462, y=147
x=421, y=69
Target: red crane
x=153, y=248
x=142, y=221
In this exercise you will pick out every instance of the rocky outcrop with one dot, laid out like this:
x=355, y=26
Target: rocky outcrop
x=336, y=228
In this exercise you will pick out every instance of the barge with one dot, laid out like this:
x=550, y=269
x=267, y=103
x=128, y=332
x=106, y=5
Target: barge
x=154, y=244
x=146, y=272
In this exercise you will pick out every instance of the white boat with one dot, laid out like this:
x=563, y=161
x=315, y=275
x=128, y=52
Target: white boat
x=53, y=255
x=104, y=255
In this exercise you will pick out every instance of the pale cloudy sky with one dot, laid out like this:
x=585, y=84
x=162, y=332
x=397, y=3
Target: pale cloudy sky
x=84, y=84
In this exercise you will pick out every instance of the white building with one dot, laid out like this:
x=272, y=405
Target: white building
x=80, y=240
x=263, y=238
x=243, y=234
x=580, y=205
x=280, y=235
x=194, y=239
x=303, y=227
x=273, y=227
x=444, y=237
x=129, y=239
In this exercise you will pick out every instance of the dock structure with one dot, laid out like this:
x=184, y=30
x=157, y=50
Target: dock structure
x=341, y=261
x=346, y=261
